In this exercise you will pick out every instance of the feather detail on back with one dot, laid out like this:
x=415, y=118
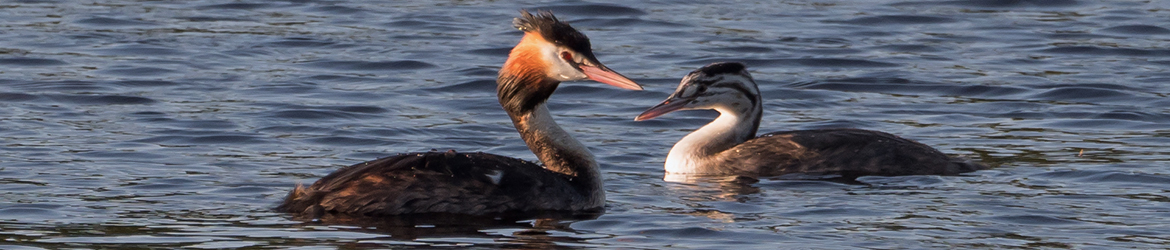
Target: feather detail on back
x=434, y=182
x=846, y=152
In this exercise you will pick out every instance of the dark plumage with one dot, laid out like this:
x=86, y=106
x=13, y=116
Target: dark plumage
x=720, y=68
x=553, y=30
x=729, y=146
x=480, y=183
x=435, y=182
x=845, y=152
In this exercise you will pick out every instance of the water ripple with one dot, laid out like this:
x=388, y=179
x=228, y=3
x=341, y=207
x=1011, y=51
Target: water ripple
x=30, y=62
x=1138, y=30
x=898, y=20
x=180, y=124
x=370, y=66
x=105, y=21
x=1102, y=51
x=101, y=100
x=997, y=4
x=16, y=97
x=237, y=6
x=592, y=10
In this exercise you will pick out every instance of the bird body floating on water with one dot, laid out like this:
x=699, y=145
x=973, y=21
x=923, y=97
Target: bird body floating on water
x=550, y=52
x=729, y=145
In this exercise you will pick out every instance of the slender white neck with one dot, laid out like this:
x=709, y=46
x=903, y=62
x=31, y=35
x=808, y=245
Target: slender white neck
x=701, y=147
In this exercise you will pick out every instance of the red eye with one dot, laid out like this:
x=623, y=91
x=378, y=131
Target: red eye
x=567, y=56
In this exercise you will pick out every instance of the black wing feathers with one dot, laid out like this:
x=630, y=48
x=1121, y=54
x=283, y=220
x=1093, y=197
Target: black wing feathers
x=846, y=152
x=431, y=182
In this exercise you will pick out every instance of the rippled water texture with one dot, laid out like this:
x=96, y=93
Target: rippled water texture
x=171, y=124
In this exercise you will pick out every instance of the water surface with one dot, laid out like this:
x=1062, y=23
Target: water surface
x=180, y=124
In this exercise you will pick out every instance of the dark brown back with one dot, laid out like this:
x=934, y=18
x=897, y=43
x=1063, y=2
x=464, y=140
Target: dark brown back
x=846, y=152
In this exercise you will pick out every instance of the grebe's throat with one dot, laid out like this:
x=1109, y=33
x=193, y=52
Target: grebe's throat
x=703, y=146
x=560, y=152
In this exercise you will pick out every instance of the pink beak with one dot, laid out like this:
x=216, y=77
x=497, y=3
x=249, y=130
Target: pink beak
x=667, y=106
x=607, y=76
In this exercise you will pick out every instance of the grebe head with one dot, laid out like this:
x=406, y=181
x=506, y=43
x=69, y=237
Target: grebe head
x=723, y=86
x=558, y=52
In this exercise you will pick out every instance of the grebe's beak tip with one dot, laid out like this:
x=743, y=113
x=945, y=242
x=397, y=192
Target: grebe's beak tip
x=670, y=105
x=608, y=76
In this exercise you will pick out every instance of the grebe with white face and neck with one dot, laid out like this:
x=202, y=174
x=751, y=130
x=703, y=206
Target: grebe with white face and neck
x=478, y=183
x=729, y=145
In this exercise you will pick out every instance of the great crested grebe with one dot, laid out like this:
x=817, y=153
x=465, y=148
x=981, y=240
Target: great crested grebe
x=729, y=146
x=478, y=183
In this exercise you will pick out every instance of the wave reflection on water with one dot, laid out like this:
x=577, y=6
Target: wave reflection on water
x=181, y=124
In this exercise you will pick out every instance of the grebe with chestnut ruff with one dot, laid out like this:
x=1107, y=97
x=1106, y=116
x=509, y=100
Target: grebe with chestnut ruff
x=478, y=183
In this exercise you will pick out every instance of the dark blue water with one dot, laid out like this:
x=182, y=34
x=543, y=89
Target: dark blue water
x=168, y=124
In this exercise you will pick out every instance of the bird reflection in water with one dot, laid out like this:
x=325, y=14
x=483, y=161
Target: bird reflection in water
x=526, y=230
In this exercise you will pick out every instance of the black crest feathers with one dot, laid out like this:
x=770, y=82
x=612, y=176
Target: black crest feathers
x=529, y=22
x=553, y=30
x=720, y=68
